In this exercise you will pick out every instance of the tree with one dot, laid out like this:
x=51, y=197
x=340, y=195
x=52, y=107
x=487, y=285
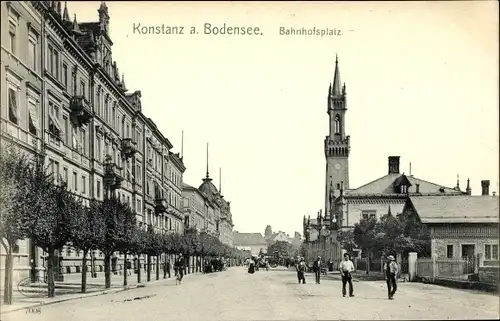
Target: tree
x=282, y=248
x=14, y=168
x=346, y=240
x=192, y=245
x=46, y=214
x=365, y=236
x=87, y=232
x=154, y=248
x=138, y=246
x=119, y=222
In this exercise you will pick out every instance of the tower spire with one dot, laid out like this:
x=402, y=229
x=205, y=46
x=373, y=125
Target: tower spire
x=468, y=189
x=337, y=84
x=182, y=145
x=458, y=182
x=208, y=176
x=220, y=180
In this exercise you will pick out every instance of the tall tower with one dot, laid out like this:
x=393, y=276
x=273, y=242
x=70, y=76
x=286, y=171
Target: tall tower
x=337, y=144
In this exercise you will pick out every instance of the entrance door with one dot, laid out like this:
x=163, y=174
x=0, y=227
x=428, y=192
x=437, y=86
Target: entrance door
x=468, y=251
x=468, y=255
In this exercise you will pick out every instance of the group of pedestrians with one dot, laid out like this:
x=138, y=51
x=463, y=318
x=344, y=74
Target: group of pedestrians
x=346, y=268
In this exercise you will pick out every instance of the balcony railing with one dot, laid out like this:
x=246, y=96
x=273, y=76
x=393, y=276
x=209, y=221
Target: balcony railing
x=81, y=113
x=112, y=176
x=128, y=147
x=160, y=205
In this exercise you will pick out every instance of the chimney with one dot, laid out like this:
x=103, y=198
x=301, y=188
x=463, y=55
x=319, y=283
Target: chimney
x=394, y=164
x=417, y=186
x=485, y=185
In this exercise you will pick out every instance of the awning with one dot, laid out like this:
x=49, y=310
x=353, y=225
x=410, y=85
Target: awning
x=55, y=122
x=33, y=116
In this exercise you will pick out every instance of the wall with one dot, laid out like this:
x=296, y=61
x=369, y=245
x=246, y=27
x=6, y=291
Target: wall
x=354, y=209
x=489, y=275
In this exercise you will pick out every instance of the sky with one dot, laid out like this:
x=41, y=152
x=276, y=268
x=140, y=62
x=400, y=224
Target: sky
x=421, y=79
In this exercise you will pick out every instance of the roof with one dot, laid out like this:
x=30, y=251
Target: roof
x=456, y=209
x=208, y=188
x=242, y=239
x=385, y=185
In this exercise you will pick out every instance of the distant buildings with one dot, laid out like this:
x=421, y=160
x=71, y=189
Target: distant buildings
x=280, y=236
x=253, y=242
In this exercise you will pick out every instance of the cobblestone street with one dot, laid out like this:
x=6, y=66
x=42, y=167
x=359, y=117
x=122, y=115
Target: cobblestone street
x=273, y=295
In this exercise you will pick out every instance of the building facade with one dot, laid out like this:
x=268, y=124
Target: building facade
x=346, y=206
x=460, y=226
x=65, y=95
x=206, y=210
x=255, y=243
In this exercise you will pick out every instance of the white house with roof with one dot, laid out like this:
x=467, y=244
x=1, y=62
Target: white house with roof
x=460, y=226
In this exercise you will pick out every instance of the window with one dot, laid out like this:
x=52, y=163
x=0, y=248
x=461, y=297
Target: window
x=12, y=35
x=32, y=44
x=66, y=130
x=404, y=189
x=84, y=185
x=98, y=102
x=75, y=181
x=53, y=61
x=65, y=175
x=56, y=171
x=449, y=251
x=139, y=206
x=113, y=117
x=32, y=117
x=138, y=174
x=491, y=251
x=337, y=124
x=54, y=127
x=98, y=189
x=83, y=141
x=13, y=106
x=75, y=142
x=98, y=147
x=65, y=76
x=82, y=88
x=368, y=214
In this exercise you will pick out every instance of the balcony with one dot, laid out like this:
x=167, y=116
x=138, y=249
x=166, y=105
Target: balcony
x=128, y=148
x=81, y=113
x=112, y=176
x=160, y=205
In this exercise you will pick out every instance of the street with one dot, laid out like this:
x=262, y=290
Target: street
x=274, y=295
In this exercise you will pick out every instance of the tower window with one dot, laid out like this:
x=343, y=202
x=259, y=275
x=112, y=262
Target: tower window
x=337, y=124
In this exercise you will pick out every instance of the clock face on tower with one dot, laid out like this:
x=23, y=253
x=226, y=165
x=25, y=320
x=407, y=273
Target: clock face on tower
x=337, y=166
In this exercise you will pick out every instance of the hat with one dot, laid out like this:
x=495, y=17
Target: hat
x=319, y=257
x=390, y=257
x=347, y=254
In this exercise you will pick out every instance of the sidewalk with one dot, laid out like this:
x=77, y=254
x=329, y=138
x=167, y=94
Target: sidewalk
x=70, y=290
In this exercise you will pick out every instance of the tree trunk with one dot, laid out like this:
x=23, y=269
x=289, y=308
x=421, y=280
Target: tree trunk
x=157, y=267
x=50, y=273
x=107, y=271
x=7, y=291
x=138, y=269
x=149, y=268
x=84, y=271
x=125, y=269
x=368, y=261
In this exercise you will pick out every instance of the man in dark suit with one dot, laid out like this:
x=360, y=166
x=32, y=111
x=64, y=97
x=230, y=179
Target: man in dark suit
x=317, y=269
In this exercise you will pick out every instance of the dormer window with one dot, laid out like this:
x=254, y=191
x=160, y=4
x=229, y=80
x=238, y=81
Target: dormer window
x=403, y=189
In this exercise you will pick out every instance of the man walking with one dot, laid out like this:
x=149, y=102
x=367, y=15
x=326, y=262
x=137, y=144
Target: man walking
x=391, y=271
x=346, y=268
x=301, y=269
x=317, y=269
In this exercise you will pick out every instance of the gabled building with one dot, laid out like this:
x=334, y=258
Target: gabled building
x=253, y=242
x=460, y=226
x=345, y=206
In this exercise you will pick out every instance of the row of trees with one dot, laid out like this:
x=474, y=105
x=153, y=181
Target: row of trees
x=391, y=234
x=33, y=205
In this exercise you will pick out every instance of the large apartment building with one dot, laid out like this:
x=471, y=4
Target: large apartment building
x=206, y=210
x=62, y=92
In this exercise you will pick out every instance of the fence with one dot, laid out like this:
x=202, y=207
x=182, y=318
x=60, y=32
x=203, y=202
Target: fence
x=446, y=268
